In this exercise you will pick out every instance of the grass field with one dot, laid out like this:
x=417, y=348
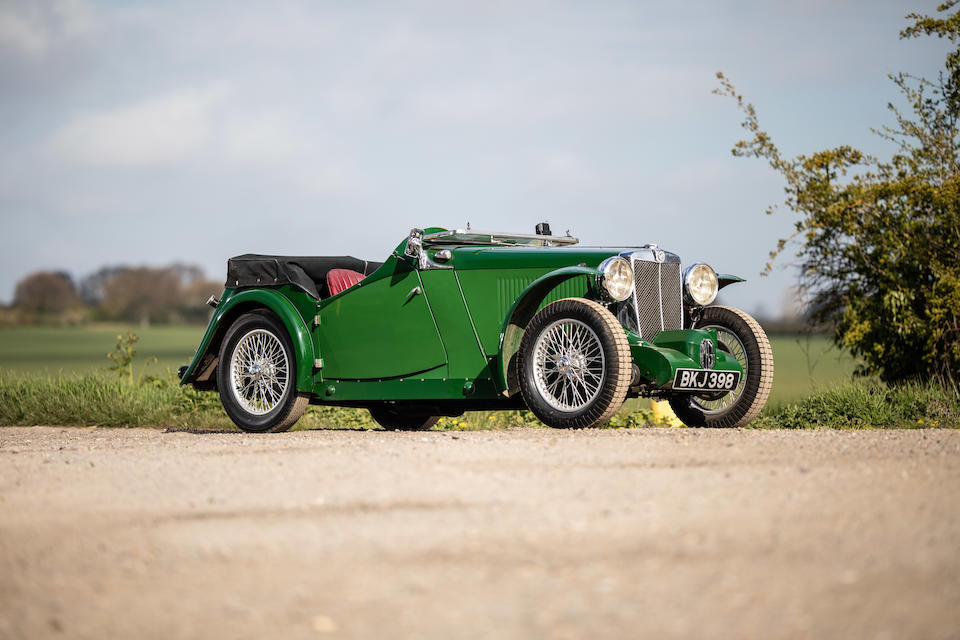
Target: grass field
x=55, y=350
x=803, y=364
x=806, y=364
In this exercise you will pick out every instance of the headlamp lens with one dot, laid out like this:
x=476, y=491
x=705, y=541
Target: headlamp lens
x=617, y=278
x=702, y=285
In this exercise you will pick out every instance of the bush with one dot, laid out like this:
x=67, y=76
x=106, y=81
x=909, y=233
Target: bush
x=879, y=240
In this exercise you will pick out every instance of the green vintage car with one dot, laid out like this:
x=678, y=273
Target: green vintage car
x=463, y=320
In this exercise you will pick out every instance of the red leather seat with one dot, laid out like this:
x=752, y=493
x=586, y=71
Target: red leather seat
x=341, y=279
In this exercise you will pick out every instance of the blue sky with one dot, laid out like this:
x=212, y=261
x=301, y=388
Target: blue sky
x=148, y=132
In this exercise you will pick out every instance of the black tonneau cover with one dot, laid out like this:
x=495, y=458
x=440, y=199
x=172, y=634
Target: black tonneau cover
x=308, y=273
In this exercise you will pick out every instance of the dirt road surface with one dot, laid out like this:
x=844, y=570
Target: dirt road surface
x=649, y=533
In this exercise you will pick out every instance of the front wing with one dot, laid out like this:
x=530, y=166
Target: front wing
x=685, y=361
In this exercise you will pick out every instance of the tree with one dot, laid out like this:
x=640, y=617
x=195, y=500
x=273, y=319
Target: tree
x=879, y=240
x=175, y=293
x=92, y=287
x=45, y=292
x=194, y=295
x=142, y=294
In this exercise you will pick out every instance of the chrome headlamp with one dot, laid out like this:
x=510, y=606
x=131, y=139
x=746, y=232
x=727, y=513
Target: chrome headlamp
x=617, y=278
x=700, y=283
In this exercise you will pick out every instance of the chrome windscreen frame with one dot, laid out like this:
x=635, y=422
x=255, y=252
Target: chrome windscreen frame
x=470, y=237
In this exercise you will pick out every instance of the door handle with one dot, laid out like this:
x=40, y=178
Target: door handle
x=414, y=292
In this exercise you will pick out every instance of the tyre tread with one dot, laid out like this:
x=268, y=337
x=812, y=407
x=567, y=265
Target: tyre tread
x=297, y=409
x=739, y=415
x=294, y=408
x=611, y=399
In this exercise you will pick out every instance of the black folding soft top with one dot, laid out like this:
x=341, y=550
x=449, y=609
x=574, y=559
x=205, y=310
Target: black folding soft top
x=308, y=273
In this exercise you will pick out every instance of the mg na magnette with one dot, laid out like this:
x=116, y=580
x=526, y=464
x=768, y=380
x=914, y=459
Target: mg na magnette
x=464, y=320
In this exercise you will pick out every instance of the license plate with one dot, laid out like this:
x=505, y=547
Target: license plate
x=705, y=380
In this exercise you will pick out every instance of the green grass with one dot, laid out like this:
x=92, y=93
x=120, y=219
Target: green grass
x=869, y=404
x=99, y=400
x=82, y=349
x=105, y=401
x=803, y=364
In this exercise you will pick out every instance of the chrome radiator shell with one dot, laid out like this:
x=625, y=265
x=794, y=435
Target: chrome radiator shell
x=657, y=291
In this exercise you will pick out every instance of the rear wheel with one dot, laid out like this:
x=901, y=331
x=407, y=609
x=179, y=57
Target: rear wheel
x=739, y=336
x=257, y=375
x=394, y=418
x=574, y=364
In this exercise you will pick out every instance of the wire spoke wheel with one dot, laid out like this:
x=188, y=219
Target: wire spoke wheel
x=259, y=371
x=730, y=344
x=257, y=375
x=574, y=364
x=741, y=338
x=568, y=365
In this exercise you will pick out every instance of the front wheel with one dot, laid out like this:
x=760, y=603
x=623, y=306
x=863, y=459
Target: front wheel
x=574, y=364
x=741, y=337
x=257, y=375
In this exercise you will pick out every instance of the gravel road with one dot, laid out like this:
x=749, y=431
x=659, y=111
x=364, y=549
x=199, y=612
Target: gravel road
x=531, y=533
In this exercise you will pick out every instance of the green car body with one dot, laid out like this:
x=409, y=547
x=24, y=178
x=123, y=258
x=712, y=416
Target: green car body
x=439, y=325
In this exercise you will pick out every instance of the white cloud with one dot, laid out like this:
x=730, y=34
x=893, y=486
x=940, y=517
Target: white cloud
x=493, y=104
x=73, y=17
x=158, y=131
x=21, y=32
x=282, y=26
x=470, y=105
x=31, y=29
x=652, y=92
x=329, y=177
x=705, y=175
x=283, y=146
x=404, y=49
x=233, y=28
x=566, y=171
x=261, y=139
